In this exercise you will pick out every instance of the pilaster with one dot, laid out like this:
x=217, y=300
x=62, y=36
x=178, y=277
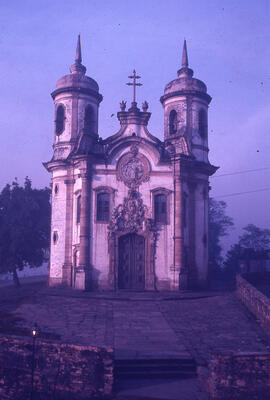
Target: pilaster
x=193, y=276
x=82, y=272
x=67, y=267
x=179, y=268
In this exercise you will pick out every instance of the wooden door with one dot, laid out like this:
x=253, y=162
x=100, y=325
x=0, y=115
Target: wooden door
x=131, y=270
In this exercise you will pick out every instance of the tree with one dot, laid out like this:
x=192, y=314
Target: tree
x=251, y=245
x=219, y=225
x=24, y=227
x=255, y=238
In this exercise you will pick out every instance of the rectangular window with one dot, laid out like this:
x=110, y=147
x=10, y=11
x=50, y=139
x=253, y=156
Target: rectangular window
x=160, y=204
x=103, y=207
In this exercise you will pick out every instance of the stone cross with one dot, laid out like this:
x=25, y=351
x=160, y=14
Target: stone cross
x=134, y=84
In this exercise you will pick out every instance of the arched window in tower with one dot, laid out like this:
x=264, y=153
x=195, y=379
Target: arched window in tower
x=88, y=119
x=103, y=207
x=79, y=206
x=173, y=122
x=202, y=123
x=160, y=208
x=60, y=120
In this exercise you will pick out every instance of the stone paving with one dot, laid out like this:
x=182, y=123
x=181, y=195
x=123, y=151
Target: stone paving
x=215, y=324
x=139, y=325
x=141, y=331
x=146, y=324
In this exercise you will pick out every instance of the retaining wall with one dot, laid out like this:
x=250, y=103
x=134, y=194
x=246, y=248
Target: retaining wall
x=61, y=371
x=242, y=376
x=256, y=302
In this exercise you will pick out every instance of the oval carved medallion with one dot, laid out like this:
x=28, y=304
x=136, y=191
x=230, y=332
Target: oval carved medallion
x=133, y=168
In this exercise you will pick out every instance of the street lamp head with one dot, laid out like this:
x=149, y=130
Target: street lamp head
x=35, y=330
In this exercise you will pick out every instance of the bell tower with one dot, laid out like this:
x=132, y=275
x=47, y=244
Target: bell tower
x=76, y=100
x=185, y=103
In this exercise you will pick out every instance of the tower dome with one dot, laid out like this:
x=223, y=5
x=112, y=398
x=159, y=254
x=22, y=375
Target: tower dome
x=185, y=83
x=77, y=81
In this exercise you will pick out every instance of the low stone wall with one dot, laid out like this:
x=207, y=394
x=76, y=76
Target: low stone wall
x=237, y=377
x=257, y=303
x=61, y=371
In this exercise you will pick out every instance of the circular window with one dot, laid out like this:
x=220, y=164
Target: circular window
x=55, y=237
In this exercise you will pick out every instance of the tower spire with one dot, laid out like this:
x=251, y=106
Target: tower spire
x=185, y=71
x=78, y=56
x=185, y=55
x=77, y=67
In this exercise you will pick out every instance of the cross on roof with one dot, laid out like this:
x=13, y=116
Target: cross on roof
x=134, y=84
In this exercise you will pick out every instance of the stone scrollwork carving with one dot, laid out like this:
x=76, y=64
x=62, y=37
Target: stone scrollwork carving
x=129, y=216
x=133, y=168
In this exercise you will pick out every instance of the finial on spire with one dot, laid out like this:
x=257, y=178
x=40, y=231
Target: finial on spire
x=78, y=56
x=77, y=67
x=185, y=55
x=185, y=71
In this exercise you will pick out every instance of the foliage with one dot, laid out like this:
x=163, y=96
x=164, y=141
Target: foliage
x=251, y=245
x=219, y=224
x=24, y=227
x=255, y=238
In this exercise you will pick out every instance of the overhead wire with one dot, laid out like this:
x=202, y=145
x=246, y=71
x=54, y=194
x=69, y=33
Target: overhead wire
x=239, y=193
x=240, y=172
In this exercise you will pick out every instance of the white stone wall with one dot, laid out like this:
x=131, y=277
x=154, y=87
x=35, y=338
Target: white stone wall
x=161, y=177
x=58, y=224
x=106, y=176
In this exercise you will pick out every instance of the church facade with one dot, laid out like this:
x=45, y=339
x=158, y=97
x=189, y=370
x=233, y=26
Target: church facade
x=130, y=212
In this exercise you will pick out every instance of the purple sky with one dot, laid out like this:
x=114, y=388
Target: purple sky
x=228, y=46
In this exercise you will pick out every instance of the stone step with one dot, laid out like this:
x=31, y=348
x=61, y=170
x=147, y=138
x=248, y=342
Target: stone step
x=155, y=361
x=156, y=375
x=159, y=389
x=155, y=369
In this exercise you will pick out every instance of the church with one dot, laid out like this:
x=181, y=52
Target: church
x=130, y=212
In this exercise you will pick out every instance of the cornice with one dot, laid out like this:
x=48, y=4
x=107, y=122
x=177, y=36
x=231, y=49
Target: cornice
x=73, y=89
x=193, y=93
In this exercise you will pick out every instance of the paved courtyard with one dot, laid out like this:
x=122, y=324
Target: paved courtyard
x=137, y=325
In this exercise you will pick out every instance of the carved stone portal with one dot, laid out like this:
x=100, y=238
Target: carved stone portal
x=131, y=217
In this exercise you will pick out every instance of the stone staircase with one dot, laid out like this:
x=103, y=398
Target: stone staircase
x=157, y=379
x=127, y=369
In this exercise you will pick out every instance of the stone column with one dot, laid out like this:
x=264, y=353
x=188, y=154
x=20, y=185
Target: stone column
x=83, y=271
x=67, y=267
x=180, y=272
x=205, y=282
x=193, y=273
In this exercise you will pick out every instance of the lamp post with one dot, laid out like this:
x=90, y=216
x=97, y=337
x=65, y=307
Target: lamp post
x=34, y=333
